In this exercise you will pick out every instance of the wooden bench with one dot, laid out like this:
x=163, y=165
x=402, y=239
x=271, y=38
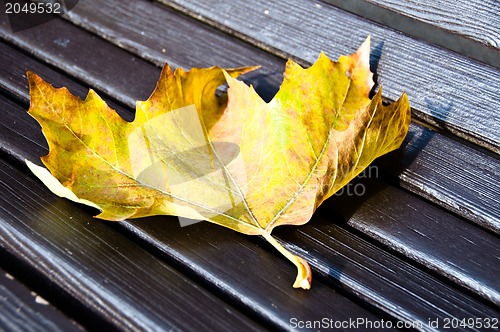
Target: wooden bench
x=420, y=245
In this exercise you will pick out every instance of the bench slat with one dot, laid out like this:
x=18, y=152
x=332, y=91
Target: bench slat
x=477, y=19
x=445, y=89
x=246, y=269
x=337, y=256
x=24, y=310
x=336, y=253
x=426, y=234
x=451, y=174
x=470, y=28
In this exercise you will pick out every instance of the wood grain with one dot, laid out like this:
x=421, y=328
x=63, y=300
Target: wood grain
x=449, y=173
x=426, y=234
x=471, y=28
x=445, y=89
x=337, y=257
x=478, y=20
x=375, y=274
x=24, y=310
x=248, y=271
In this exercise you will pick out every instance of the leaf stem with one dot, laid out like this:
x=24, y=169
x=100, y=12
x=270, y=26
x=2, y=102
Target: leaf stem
x=303, y=279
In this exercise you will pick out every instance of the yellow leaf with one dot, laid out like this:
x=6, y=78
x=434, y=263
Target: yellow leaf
x=233, y=160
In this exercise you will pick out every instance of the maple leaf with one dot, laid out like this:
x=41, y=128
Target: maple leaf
x=233, y=160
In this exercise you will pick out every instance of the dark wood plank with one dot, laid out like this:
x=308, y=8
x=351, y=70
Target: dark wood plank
x=439, y=241
x=249, y=271
x=62, y=47
x=471, y=194
x=456, y=176
x=470, y=28
x=21, y=309
x=199, y=248
x=445, y=89
x=161, y=35
x=338, y=257
x=101, y=269
x=60, y=44
x=335, y=253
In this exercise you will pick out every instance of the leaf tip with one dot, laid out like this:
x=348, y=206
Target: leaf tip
x=365, y=46
x=31, y=75
x=363, y=51
x=361, y=59
x=230, y=79
x=55, y=186
x=33, y=80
